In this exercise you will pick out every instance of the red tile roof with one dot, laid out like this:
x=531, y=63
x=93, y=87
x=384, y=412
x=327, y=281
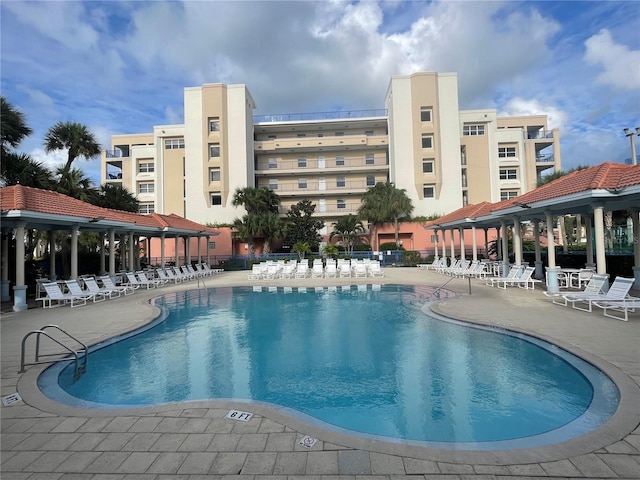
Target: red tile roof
x=47, y=202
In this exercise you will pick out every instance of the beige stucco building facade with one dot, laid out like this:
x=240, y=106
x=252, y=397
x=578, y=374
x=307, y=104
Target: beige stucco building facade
x=443, y=157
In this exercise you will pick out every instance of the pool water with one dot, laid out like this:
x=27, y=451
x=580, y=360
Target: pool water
x=368, y=362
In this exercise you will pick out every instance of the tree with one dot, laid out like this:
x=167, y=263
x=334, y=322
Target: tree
x=76, y=185
x=256, y=200
x=302, y=249
x=22, y=169
x=301, y=226
x=347, y=229
x=117, y=197
x=556, y=175
x=270, y=227
x=262, y=206
x=386, y=203
x=74, y=137
x=13, y=127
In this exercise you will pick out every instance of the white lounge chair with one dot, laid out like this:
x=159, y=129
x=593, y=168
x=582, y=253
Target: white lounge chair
x=593, y=287
x=331, y=270
x=135, y=282
x=623, y=306
x=375, y=270
x=523, y=281
x=94, y=288
x=75, y=289
x=55, y=298
x=345, y=270
x=108, y=283
x=618, y=290
x=317, y=270
x=167, y=276
x=143, y=277
x=514, y=272
x=302, y=270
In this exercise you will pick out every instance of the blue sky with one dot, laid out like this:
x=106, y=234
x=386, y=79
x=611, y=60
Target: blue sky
x=121, y=67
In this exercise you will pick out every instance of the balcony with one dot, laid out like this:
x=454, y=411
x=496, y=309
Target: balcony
x=320, y=166
x=323, y=211
x=320, y=188
x=545, y=158
x=539, y=134
x=303, y=117
x=326, y=143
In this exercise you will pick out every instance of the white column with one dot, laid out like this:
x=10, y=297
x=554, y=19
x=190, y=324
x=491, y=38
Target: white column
x=538, y=260
x=187, y=250
x=486, y=241
x=517, y=241
x=474, y=243
x=177, y=248
x=552, y=270
x=453, y=248
x=74, y=251
x=132, y=259
x=162, y=236
x=499, y=243
x=102, y=254
x=199, y=247
x=598, y=226
x=588, y=226
x=636, y=245
x=20, y=289
x=51, y=234
x=435, y=245
x=444, y=244
x=208, y=251
x=505, y=248
x=112, y=251
x=5, y=265
x=462, y=253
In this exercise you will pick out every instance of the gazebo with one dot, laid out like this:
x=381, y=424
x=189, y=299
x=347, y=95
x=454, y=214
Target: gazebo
x=25, y=208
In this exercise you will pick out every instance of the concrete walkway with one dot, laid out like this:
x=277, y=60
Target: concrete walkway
x=42, y=439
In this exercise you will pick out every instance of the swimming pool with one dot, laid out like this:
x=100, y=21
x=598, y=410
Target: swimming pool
x=364, y=360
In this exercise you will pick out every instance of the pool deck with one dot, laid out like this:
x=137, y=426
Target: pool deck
x=42, y=439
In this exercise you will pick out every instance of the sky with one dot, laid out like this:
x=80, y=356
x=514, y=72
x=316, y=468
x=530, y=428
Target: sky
x=121, y=67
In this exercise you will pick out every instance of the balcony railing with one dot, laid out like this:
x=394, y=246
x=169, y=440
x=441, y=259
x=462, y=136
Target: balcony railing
x=116, y=154
x=313, y=163
x=339, y=115
x=319, y=187
x=114, y=175
x=328, y=209
x=545, y=158
x=539, y=134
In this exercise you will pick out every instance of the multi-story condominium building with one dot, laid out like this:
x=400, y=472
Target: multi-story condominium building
x=443, y=157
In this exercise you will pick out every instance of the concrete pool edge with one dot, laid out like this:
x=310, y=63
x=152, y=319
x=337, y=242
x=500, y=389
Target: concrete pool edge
x=621, y=424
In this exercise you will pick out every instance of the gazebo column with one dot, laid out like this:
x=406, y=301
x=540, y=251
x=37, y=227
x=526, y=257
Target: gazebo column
x=505, y=248
x=588, y=227
x=498, y=244
x=199, y=249
x=51, y=237
x=486, y=242
x=474, y=243
x=5, y=265
x=112, y=252
x=187, y=250
x=453, y=248
x=538, y=261
x=20, y=289
x=177, y=250
x=208, y=251
x=162, y=236
x=598, y=226
x=635, y=222
x=132, y=246
x=517, y=241
x=435, y=245
x=444, y=243
x=462, y=252
x=102, y=254
x=552, y=270
x=75, y=229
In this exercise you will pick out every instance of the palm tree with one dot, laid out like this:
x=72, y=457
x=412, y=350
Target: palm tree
x=245, y=229
x=386, y=203
x=76, y=185
x=256, y=200
x=117, y=197
x=13, y=128
x=270, y=227
x=22, y=169
x=347, y=229
x=74, y=137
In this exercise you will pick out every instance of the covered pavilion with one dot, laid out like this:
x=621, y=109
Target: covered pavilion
x=25, y=208
x=589, y=192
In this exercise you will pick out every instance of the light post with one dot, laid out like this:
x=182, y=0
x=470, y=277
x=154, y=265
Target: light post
x=629, y=133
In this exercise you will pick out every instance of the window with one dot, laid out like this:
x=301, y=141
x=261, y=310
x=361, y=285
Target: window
x=174, y=143
x=428, y=191
x=370, y=159
x=425, y=114
x=339, y=161
x=371, y=181
x=214, y=124
x=339, y=134
x=341, y=182
x=271, y=137
x=427, y=141
x=473, y=130
x=146, y=208
x=300, y=135
x=214, y=150
x=508, y=194
x=341, y=203
x=216, y=198
x=146, y=188
x=214, y=174
x=273, y=184
x=504, y=152
x=146, y=167
x=368, y=133
x=302, y=162
x=320, y=135
x=427, y=166
x=212, y=245
x=302, y=183
x=508, y=174
x=273, y=163
x=465, y=198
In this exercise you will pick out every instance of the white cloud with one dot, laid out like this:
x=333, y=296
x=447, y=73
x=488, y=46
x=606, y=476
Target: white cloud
x=521, y=106
x=51, y=160
x=620, y=64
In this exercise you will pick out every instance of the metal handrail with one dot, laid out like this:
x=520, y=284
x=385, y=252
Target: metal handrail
x=80, y=355
x=436, y=292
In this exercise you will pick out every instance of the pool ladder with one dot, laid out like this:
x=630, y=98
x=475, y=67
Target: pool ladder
x=79, y=354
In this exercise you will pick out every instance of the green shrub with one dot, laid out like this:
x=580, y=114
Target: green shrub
x=410, y=258
x=390, y=246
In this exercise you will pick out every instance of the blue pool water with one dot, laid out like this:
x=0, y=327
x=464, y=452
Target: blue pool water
x=364, y=361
